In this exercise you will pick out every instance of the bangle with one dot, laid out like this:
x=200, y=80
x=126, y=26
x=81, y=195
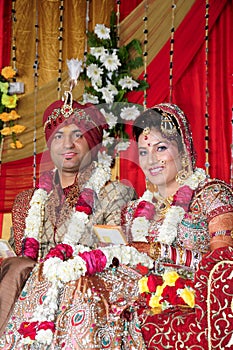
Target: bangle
x=155, y=250
x=181, y=255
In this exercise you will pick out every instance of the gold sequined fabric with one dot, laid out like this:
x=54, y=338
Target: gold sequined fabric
x=92, y=312
x=19, y=214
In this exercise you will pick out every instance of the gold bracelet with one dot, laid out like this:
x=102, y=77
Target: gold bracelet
x=155, y=250
x=181, y=253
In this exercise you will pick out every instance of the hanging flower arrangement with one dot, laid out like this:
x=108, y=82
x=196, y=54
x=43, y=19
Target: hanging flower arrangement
x=8, y=114
x=108, y=78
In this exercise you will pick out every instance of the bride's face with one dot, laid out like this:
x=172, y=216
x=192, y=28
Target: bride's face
x=159, y=159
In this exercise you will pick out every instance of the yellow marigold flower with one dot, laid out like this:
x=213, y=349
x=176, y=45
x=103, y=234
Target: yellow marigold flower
x=142, y=284
x=17, y=144
x=18, y=129
x=4, y=87
x=5, y=117
x=8, y=72
x=154, y=301
x=6, y=131
x=9, y=100
x=14, y=115
x=187, y=294
x=170, y=278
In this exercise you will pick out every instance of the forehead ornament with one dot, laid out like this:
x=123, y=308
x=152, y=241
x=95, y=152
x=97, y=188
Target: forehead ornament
x=146, y=132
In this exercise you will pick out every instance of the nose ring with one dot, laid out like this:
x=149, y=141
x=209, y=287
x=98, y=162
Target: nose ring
x=163, y=162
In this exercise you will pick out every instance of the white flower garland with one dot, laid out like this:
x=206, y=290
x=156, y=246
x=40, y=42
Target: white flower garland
x=78, y=221
x=174, y=216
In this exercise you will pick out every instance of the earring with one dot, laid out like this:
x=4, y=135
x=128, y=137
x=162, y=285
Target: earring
x=184, y=173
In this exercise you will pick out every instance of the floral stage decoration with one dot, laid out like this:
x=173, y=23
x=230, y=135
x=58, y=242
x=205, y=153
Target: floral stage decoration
x=167, y=291
x=108, y=75
x=8, y=114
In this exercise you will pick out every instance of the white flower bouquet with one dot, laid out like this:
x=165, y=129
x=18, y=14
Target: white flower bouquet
x=108, y=77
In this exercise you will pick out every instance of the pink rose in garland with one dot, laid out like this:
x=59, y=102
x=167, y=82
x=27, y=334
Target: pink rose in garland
x=146, y=209
x=62, y=251
x=30, y=248
x=95, y=261
x=85, y=201
x=183, y=197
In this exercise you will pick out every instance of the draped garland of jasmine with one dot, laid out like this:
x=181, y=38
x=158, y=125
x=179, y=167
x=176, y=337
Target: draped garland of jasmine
x=175, y=214
x=79, y=219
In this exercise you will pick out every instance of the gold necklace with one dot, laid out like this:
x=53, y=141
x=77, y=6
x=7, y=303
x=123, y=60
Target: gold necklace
x=162, y=205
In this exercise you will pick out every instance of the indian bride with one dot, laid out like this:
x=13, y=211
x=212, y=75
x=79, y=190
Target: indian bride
x=182, y=216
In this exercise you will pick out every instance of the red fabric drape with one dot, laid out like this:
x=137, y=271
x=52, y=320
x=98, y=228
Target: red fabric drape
x=5, y=33
x=128, y=6
x=17, y=176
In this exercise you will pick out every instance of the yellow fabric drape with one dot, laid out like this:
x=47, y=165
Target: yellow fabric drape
x=34, y=102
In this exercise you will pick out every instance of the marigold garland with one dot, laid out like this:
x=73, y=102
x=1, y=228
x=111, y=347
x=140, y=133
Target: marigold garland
x=8, y=115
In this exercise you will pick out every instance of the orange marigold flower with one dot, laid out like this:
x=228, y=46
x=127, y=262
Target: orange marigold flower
x=5, y=117
x=17, y=144
x=6, y=131
x=14, y=115
x=18, y=129
x=8, y=72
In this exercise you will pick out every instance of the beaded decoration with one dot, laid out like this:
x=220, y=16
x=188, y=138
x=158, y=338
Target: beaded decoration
x=145, y=53
x=14, y=20
x=36, y=75
x=60, y=39
x=171, y=52
x=118, y=22
x=207, y=164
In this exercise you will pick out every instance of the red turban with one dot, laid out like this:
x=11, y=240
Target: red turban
x=87, y=117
